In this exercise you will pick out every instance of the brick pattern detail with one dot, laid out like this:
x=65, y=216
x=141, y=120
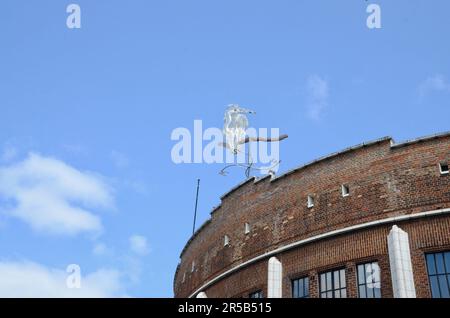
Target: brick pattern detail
x=384, y=182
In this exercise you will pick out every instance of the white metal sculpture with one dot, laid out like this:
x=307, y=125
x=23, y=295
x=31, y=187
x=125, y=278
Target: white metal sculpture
x=235, y=126
x=235, y=133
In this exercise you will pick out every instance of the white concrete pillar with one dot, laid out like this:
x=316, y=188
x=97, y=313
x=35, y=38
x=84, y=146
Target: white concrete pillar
x=400, y=263
x=275, y=278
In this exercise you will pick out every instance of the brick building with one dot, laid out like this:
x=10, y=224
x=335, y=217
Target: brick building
x=370, y=221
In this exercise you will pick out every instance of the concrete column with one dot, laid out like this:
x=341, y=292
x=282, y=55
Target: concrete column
x=275, y=278
x=400, y=263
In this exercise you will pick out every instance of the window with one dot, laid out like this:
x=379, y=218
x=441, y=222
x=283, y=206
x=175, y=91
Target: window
x=345, y=190
x=310, y=201
x=226, y=240
x=333, y=285
x=247, y=228
x=369, y=280
x=193, y=267
x=443, y=167
x=438, y=266
x=256, y=294
x=300, y=288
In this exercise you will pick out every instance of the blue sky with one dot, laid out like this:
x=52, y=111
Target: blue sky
x=86, y=117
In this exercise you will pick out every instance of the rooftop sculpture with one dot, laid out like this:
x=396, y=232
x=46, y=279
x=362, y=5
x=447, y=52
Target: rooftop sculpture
x=235, y=135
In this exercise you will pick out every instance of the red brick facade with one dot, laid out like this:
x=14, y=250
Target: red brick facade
x=385, y=180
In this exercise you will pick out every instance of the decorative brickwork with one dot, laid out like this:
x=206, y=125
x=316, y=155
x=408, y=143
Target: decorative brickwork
x=384, y=179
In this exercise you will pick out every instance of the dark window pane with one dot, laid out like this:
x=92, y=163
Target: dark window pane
x=440, y=263
x=322, y=282
x=329, y=282
x=443, y=286
x=444, y=167
x=368, y=269
x=362, y=291
x=301, y=288
x=336, y=279
x=430, y=264
x=373, y=274
x=369, y=280
x=307, y=287
x=370, y=291
x=377, y=292
x=434, y=287
x=333, y=283
x=257, y=294
x=447, y=262
x=438, y=266
x=295, y=289
x=376, y=274
x=342, y=276
x=361, y=275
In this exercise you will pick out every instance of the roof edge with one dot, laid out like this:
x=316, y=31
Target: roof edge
x=393, y=145
x=332, y=155
x=420, y=139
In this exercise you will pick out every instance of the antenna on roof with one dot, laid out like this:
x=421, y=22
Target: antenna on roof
x=196, y=203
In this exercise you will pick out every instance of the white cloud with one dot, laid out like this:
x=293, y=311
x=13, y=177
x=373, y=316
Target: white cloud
x=434, y=83
x=28, y=279
x=119, y=159
x=133, y=268
x=317, y=96
x=139, y=245
x=100, y=249
x=52, y=196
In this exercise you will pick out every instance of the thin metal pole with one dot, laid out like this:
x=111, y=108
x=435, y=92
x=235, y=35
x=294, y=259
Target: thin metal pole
x=196, y=202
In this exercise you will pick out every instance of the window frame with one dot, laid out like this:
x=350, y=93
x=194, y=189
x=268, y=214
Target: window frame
x=306, y=286
x=247, y=228
x=333, y=289
x=365, y=283
x=445, y=275
x=226, y=240
x=345, y=190
x=258, y=292
x=310, y=201
x=444, y=172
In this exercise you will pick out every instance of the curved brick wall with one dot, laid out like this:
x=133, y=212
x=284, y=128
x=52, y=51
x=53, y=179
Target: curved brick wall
x=385, y=180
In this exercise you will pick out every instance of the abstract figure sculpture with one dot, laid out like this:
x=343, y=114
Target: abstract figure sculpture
x=235, y=126
x=235, y=132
